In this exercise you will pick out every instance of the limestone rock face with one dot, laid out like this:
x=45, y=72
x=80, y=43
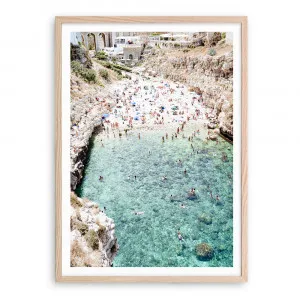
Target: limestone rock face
x=93, y=240
x=81, y=54
x=86, y=109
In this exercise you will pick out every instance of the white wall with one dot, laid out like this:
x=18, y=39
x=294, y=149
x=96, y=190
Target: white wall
x=27, y=150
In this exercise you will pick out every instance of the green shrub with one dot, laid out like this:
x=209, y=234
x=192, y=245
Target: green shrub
x=92, y=239
x=76, y=66
x=74, y=201
x=82, y=228
x=223, y=35
x=101, y=55
x=104, y=74
x=211, y=52
x=105, y=64
x=115, y=67
x=88, y=74
x=123, y=68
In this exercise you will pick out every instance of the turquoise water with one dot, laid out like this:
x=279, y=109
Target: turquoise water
x=150, y=239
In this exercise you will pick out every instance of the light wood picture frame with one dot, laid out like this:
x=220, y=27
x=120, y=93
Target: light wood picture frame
x=67, y=20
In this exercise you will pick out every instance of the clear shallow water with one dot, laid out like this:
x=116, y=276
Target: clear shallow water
x=150, y=240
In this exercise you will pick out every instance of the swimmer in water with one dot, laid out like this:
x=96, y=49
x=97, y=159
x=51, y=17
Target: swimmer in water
x=164, y=178
x=185, y=171
x=179, y=236
x=137, y=213
x=182, y=205
x=217, y=198
x=101, y=178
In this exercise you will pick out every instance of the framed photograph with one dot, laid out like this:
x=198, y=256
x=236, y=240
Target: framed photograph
x=151, y=149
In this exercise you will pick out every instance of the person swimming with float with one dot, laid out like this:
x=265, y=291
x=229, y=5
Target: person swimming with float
x=137, y=213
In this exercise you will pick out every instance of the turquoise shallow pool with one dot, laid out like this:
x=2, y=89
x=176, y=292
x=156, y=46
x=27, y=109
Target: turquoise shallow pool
x=150, y=240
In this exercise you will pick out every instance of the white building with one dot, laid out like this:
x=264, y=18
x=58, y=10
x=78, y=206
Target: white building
x=123, y=41
x=174, y=39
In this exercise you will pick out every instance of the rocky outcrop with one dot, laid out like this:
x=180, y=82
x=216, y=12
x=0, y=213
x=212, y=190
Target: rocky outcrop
x=204, y=251
x=211, y=76
x=93, y=240
x=82, y=55
x=205, y=218
x=86, y=109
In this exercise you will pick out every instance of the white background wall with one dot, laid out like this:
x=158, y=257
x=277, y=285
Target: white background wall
x=27, y=150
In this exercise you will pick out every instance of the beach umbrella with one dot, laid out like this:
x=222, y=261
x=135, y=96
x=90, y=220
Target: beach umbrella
x=133, y=103
x=136, y=118
x=104, y=116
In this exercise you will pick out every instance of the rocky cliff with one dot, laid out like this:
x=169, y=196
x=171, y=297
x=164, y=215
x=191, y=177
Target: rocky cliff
x=93, y=240
x=80, y=54
x=210, y=76
x=87, y=107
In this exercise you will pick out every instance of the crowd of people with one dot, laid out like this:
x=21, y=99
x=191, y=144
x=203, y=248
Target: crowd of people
x=144, y=104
